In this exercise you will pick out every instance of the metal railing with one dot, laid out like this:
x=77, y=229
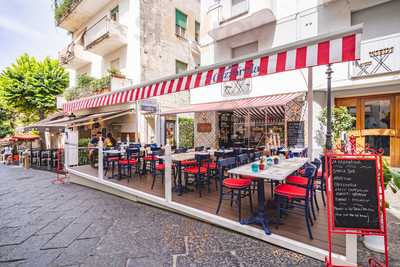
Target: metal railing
x=101, y=30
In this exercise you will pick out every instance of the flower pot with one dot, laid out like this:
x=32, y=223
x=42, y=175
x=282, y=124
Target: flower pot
x=374, y=243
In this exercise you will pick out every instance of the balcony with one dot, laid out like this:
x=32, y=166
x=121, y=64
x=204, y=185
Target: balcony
x=105, y=36
x=72, y=14
x=241, y=18
x=73, y=56
x=378, y=56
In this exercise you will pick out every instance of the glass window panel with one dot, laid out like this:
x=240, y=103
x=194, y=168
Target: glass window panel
x=379, y=142
x=377, y=114
x=180, y=67
x=181, y=19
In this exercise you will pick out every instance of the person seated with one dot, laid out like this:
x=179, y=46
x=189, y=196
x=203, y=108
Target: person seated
x=110, y=141
x=7, y=153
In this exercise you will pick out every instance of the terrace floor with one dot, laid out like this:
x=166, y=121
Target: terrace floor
x=294, y=226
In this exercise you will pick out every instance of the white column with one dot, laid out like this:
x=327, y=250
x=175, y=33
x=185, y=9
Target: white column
x=66, y=150
x=168, y=168
x=137, y=110
x=351, y=249
x=177, y=131
x=100, y=160
x=310, y=104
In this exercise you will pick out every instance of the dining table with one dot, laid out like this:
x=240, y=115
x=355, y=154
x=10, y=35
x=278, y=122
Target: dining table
x=274, y=173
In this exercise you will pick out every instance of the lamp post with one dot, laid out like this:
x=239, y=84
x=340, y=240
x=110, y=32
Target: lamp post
x=328, y=144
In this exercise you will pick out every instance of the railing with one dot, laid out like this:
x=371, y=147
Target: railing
x=100, y=30
x=378, y=56
x=47, y=159
x=66, y=55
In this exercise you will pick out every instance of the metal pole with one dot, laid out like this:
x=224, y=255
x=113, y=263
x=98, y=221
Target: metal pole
x=310, y=102
x=329, y=72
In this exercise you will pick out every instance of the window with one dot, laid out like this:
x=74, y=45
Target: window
x=114, y=13
x=244, y=50
x=379, y=142
x=180, y=67
x=197, y=31
x=353, y=112
x=377, y=114
x=180, y=23
x=239, y=7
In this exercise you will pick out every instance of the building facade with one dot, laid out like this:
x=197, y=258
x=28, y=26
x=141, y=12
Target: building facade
x=369, y=88
x=141, y=40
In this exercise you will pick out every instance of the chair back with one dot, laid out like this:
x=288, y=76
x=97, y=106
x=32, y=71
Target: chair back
x=242, y=159
x=223, y=166
x=133, y=152
x=180, y=150
x=202, y=159
x=309, y=171
x=199, y=148
x=237, y=151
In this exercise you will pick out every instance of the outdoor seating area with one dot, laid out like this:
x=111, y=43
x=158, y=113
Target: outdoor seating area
x=280, y=194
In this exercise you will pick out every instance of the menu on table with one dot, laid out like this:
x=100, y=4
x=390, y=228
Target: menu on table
x=355, y=200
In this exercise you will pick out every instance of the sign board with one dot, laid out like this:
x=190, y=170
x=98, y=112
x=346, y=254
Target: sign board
x=203, y=127
x=355, y=196
x=377, y=56
x=295, y=133
x=236, y=88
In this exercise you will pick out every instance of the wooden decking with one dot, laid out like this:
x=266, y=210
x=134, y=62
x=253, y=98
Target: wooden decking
x=294, y=226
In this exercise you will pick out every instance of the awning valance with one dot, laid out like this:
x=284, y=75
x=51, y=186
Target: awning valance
x=272, y=103
x=324, y=49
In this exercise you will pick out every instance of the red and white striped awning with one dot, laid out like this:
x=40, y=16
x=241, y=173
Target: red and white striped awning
x=248, y=103
x=321, y=50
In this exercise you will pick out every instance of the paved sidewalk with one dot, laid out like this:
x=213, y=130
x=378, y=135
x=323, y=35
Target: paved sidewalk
x=42, y=224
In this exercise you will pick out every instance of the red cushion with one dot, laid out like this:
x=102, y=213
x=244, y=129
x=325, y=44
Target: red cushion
x=188, y=162
x=290, y=191
x=236, y=183
x=211, y=165
x=195, y=170
x=160, y=167
x=297, y=180
x=125, y=161
x=319, y=173
x=112, y=158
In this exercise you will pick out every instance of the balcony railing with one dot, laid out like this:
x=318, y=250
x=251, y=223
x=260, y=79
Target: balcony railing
x=377, y=56
x=102, y=29
x=66, y=55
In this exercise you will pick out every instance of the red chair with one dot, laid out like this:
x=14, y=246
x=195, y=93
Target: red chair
x=125, y=166
x=290, y=196
x=236, y=188
x=158, y=169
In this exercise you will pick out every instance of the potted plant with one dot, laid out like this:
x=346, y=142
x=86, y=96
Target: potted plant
x=392, y=185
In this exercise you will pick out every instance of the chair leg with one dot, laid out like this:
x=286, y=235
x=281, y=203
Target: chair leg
x=251, y=200
x=240, y=204
x=312, y=206
x=307, y=214
x=231, y=198
x=220, y=200
x=278, y=211
x=315, y=199
x=154, y=180
x=322, y=188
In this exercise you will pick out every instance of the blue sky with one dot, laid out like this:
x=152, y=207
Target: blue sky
x=27, y=26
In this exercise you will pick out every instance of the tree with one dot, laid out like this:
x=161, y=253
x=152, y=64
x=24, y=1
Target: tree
x=30, y=86
x=342, y=121
x=6, y=120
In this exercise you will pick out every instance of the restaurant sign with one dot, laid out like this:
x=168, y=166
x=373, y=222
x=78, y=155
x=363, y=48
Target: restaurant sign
x=204, y=127
x=378, y=56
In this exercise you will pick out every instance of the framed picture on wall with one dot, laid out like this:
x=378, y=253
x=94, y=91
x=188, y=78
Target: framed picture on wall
x=170, y=134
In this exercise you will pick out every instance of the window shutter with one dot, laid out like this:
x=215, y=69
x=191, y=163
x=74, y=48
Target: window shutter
x=181, y=19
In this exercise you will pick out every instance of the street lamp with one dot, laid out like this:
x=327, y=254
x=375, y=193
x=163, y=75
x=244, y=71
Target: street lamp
x=328, y=144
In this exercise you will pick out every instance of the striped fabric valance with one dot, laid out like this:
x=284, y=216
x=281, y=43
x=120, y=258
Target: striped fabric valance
x=322, y=50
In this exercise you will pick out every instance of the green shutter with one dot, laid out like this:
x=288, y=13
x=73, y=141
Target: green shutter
x=181, y=19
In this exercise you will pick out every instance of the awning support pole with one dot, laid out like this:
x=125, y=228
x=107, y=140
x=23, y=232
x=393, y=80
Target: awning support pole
x=310, y=100
x=329, y=72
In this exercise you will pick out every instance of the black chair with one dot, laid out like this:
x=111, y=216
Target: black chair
x=200, y=173
x=131, y=161
x=236, y=188
x=199, y=148
x=292, y=196
x=180, y=150
x=157, y=168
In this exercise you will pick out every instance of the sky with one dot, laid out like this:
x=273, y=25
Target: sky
x=27, y=26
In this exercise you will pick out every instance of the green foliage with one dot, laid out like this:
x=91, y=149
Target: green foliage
x=342, y=121
x=83, y=142
x=391, y=177
x=62, y=8
x=186, y=132
x=6, y=120
x=87, y=86
x=30, y=87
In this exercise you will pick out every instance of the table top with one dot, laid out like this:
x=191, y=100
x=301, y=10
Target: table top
x=277, y=172
x=112, y=151
x=294, y=150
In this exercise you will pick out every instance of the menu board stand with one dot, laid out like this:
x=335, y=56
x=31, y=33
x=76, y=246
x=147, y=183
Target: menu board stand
x=355, y=198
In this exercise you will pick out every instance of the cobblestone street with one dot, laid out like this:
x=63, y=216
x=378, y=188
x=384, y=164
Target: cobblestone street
x=42, y=224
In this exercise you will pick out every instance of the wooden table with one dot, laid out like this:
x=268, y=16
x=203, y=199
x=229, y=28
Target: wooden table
x=276, y=172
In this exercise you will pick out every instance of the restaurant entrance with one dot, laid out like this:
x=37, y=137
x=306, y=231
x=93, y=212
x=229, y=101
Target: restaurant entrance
x=377, y=122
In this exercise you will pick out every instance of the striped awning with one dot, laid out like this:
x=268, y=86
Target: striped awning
x=321, y=50
x=270, y=114
x=273, y=103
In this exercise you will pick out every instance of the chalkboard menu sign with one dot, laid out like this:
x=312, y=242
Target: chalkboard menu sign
x=295, y=133
x=355, y=202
